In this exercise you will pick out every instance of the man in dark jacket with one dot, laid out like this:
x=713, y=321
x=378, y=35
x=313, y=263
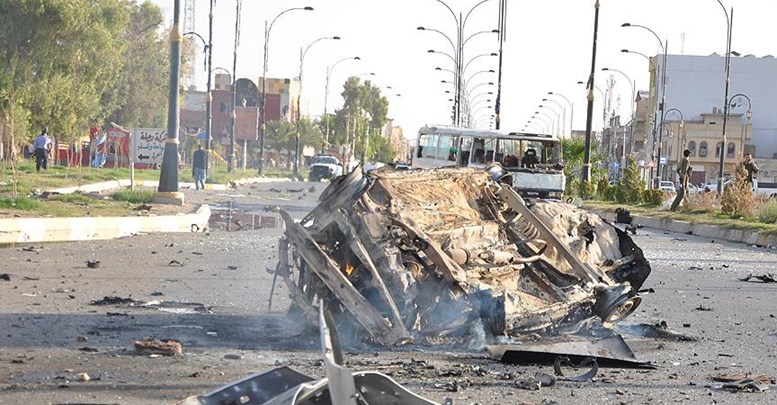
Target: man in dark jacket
x=199, y=167
x=750, y=168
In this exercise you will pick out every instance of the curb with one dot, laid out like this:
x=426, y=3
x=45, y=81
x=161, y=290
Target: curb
x=758, y=238
x=26, y=230
x=115, y=184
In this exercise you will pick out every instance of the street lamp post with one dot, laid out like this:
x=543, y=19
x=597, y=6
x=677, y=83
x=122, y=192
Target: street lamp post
x=559, y=122
x=297, y=141
x=208, y=51
x=633, y=115
x=586, y=175
x=329, y=70
x=233, y=115
x=563, y=110
x=729, y=18
x=231, y=109
x=682, y=124
x=664, y=46
x=553, y=123
x=571, y=109
x=168, y=176
x=654, y=113
x=262, y=107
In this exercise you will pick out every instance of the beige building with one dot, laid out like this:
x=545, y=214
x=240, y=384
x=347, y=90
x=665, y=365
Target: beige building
x=703, y=138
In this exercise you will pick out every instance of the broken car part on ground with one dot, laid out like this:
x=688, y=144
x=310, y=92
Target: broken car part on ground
x=443, y=255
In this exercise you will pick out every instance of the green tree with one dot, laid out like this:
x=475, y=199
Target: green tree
x=361, y=119
x=139, y=95
x=65, y=54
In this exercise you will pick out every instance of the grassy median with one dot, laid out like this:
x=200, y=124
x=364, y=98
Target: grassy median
x=23, y=190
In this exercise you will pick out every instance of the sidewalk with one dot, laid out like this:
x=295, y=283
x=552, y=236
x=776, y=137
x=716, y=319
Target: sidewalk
x=750, y=237
x=28, y=230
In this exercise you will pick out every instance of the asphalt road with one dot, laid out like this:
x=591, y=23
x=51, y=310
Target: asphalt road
x=216, y=291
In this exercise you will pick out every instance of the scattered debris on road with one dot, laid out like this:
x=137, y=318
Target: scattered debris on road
x=342, y=386
x=150, y=347
x=611, y=351
x=5, y=277
x=165, y=306
x=451, y=255
x=92, y=264
x=764, y=278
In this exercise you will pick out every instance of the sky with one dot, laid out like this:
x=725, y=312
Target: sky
x=548, y=48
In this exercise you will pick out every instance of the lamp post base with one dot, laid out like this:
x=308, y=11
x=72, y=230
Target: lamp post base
x=172, y=198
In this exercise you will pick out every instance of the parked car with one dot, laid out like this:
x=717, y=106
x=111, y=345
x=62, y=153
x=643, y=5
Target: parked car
x=667, y=186
x=325, y=167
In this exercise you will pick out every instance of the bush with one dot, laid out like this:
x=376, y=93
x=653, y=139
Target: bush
x=738, y=198
x=767, y=212
x=632, y=186
x=587, y=190
x=135, y=197
x=653, y=197
x=707, y=202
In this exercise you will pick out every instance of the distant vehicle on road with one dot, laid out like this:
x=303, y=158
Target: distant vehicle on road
x=667, y=186
x=325, y=167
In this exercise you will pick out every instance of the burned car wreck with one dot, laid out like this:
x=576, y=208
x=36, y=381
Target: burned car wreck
x=430, y=255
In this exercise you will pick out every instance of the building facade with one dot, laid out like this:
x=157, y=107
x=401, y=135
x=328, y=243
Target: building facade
x=694, y=106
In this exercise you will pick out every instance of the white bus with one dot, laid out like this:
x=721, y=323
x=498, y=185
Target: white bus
x=533, y=160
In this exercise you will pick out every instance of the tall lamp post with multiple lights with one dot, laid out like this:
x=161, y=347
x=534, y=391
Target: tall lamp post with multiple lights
x=664, y=45
x=262, y=107
x=458, y=57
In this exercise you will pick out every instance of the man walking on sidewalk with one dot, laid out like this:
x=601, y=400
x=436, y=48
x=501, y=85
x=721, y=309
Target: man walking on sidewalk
x=42, y=145
x=199, y=167
x=684, y=171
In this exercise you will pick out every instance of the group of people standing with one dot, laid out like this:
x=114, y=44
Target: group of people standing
x=684, y=171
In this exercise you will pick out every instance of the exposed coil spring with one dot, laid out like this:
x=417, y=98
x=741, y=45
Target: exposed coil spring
x=524, y=228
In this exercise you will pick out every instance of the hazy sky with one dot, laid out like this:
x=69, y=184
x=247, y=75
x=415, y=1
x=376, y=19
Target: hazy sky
x=548, y=48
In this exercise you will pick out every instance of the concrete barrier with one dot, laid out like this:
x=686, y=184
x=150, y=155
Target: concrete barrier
x=26, y=230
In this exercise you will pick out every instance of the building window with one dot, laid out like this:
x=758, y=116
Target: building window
x=718, y=148
x=692, y=148
x=731, y=150
x=703, y=149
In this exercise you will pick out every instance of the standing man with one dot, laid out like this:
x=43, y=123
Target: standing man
x=684, y=170
x=199, y=167
x=42, y=145
x=750, y=168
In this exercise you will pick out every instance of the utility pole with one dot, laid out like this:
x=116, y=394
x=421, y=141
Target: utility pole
x=168, y=176
x=502, y=28
x=586, y=175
